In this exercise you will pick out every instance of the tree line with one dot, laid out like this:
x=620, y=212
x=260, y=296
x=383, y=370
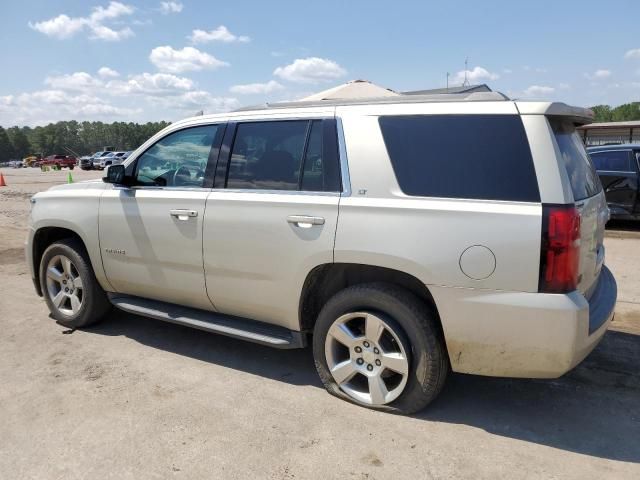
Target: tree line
x=83, y=138
x=622, y=113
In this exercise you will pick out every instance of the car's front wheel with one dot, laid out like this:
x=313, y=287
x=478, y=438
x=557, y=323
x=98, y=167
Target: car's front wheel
x=73, y=295
x=378, y=345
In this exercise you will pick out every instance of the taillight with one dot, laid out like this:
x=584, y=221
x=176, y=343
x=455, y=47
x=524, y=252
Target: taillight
x=560, y=249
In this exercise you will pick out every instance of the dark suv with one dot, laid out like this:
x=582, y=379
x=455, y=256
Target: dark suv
x=617, y=167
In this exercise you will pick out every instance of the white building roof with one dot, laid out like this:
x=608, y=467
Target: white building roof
x=351, y=90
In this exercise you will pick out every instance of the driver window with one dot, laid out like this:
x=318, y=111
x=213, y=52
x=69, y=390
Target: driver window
x=177, y=160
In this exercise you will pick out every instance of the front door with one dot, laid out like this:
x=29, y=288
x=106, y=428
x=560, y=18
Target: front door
x=151, y=233
x=274, y=217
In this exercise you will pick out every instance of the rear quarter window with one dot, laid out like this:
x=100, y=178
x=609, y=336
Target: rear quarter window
x=483, y=157
x=582, y=175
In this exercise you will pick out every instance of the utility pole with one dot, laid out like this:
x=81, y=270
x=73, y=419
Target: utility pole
x=466, y=70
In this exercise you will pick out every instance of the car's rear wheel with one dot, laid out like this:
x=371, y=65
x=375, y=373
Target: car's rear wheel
x=71, y=291
x=379, y=346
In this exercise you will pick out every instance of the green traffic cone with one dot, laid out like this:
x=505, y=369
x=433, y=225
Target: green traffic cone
x=69, y=178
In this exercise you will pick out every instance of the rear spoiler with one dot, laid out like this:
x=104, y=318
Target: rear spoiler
x=578, y=115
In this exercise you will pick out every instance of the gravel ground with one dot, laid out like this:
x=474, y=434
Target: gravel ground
x=135, y=398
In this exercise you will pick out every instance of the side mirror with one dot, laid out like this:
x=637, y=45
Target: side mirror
x=115, y=174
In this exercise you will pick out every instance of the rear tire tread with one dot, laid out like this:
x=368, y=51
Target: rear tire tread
x=429, y=383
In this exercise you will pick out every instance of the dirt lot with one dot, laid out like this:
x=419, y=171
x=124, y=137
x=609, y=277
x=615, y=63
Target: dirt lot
x=135, y=398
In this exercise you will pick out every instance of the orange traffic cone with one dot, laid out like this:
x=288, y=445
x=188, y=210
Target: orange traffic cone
x=2, y=182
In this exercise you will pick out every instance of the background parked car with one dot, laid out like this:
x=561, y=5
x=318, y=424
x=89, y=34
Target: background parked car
x=97, y=157
x=112, y=158
x=32, y=161
x=618, y=169
x=60, y=161
x=84, y=162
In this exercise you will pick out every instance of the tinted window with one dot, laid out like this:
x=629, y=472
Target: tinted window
x=615, y=161
x=281, y=155
x=177, y=160
x=582, y=176
x=461, y=156
x=312, y=178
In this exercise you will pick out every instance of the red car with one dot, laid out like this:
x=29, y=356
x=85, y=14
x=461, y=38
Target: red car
x=59, y=161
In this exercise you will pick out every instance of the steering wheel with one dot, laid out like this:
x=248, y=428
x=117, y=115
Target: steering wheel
x=181, y=171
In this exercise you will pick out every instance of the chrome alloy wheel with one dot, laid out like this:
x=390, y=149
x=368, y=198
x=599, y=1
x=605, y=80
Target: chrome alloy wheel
x=366, y=358
x=64, y=285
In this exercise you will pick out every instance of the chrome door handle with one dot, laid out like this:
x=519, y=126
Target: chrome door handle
x=183, y=214
x=305, y=221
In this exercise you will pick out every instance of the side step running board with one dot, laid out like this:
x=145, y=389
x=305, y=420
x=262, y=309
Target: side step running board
x=242, y=328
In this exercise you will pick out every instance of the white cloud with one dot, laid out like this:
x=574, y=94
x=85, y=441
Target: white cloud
x=564, y=86
x=170, y=60
x=100, y=32
x=529, y=68
x=79, y=81
x=60, y=27
x=154, y=84
x=170, y=7
x=538, y=91
x=145, y=84
x=113, y=10
x=63, y=26
x=633, y=53
x=598, y=74
x=256, y=88
x=106, y=72
x=220, y=34
x=202, y=100
x=310, y=70
x=507, y=71
x=44, y=106
x=476, y=75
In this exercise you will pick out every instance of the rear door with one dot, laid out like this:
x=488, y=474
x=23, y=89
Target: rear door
x=272, y=215
x=589, y=199
x=618, y=172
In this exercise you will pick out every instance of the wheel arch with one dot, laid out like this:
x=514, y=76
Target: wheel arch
x=326, y=280
x=45, y=236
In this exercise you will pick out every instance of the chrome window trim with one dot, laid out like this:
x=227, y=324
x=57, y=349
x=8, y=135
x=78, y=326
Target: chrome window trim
x=616, y=171
x=277, y=192
x=628, y=150
x=282, y=119
x=344, y=163
x=153, y=187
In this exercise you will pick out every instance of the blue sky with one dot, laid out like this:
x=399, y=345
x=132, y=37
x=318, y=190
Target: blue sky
x=151, y=60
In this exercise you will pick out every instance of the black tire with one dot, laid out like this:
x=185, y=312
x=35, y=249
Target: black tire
x=71, y=167
x=95, y=304
x=417, y=322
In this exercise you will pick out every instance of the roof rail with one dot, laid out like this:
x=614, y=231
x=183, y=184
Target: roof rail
x=434, y=98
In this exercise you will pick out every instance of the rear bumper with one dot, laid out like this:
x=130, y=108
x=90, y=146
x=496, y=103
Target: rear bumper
x=531, y=335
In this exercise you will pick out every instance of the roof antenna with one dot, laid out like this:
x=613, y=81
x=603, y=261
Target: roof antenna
x=447, y=82
x=466, y=70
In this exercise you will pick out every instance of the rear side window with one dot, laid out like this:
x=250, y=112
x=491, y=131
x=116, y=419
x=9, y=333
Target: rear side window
x=461, y=156
x=614, y=161
x=283, y=155
x=582, y=176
